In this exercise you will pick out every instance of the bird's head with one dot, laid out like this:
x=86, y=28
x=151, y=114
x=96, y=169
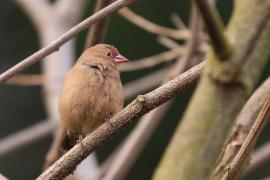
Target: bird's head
x=107, y=52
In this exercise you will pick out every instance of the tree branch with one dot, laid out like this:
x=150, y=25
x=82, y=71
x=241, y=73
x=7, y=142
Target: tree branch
x=26, y=80
x=193, y=43
x=249, y=142
x=177, y=21
x=152, y=61
x=63, y=39
x=215, y=28
x=98, y=30
x=141, y=105
x=151, y=27
x=211, y=113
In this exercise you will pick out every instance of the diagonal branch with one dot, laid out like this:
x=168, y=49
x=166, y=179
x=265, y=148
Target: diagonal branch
x=141, y=105
x=215, y=28
x=244, y=122
x=250, y=141
x=152, y=27
x=154, y=60
x=54, y=46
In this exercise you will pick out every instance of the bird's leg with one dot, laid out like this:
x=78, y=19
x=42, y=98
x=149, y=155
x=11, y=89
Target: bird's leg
x=108, y=117
x=80, y=141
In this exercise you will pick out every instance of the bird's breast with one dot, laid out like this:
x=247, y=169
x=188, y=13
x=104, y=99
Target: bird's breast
x=88, y=97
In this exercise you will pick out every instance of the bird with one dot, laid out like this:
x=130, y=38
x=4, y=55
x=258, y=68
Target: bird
x=92, y=92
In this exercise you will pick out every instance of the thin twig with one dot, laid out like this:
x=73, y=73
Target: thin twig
x=151, y=27
x=244, y=122
x=182, y=64
x=141, y=105
x=177, y=21
x=250, y=141
x=167, y=42
x=26, y=80
x=215, y=29
x=26, y=136
x=37, y=56
x=98, y=30
x=152, y=61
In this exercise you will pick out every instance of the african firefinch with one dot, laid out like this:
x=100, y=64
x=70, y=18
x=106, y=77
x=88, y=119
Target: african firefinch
x=92, y=91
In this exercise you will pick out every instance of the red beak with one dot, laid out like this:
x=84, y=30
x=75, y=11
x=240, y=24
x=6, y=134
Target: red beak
x=120, y=59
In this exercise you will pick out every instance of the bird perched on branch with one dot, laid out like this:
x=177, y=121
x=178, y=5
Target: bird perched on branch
x=92, y=92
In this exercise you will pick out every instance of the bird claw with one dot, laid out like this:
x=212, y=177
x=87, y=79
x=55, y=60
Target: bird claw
x=80, y=141
x=107, y=119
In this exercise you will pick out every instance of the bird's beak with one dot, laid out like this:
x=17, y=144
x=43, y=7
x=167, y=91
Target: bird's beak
x=120, y=59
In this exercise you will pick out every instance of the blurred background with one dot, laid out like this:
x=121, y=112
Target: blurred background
x=22, y=106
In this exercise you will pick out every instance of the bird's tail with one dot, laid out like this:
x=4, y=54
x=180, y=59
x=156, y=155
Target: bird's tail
x=61, y=144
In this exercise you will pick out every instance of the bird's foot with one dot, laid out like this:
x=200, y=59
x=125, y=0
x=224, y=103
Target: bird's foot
x=107, y=119
x=80, y=141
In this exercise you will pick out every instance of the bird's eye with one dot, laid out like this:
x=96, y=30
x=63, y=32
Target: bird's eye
x=108, y=54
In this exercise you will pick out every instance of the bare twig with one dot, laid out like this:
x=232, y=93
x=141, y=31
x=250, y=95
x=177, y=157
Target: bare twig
x=260, y=157
x=26, y=136
x=177, y=21
x=152, y=61
x=215, y=28
x=141, y=105
x=249, y=142
x=98, y=30
x=151, y=27
x=63, y=39
x=26, y=80
x=167, y=42
x=182, y=64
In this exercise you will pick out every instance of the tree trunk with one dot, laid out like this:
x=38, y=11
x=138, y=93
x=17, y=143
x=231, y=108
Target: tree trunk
x=222, y=91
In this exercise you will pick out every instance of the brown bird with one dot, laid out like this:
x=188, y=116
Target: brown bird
x=92, y=92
